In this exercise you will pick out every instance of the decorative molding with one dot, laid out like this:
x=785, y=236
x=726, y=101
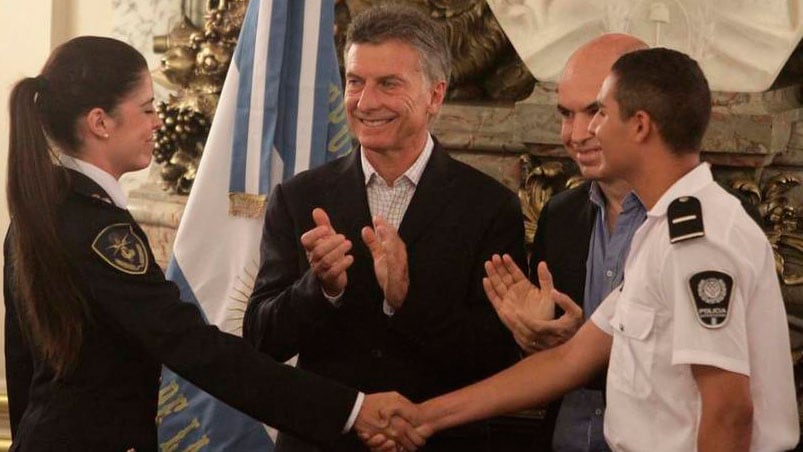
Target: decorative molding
x=5, y=424
x=783, y=222
x=137, y=21
x=195, y=64
x=539, y=182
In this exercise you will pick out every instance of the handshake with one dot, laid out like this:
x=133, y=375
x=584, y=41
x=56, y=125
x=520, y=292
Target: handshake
x=389, y=422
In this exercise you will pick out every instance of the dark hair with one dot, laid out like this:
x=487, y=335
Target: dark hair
x=389, y=22
x=81, y=74
x=671, y=88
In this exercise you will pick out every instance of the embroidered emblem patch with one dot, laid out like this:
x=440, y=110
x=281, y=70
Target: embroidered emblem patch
x=119, y=246
x=711, y=291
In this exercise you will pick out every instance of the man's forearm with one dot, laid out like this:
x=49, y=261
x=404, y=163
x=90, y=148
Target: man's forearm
x=558, y=370
x=730, y=432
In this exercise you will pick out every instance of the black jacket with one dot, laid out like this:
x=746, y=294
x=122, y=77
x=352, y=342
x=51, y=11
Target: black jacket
x=446, y=334
x=562, y=239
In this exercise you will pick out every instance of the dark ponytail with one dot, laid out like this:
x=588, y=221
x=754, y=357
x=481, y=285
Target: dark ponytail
x=51, y=308
x=82, y=74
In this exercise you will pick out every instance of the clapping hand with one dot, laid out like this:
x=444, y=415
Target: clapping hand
x=326, y=252
x=390, y=260
x=527, y=311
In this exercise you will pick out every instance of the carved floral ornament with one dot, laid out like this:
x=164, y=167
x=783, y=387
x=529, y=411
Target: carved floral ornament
x=194, y=64
x=783, y=222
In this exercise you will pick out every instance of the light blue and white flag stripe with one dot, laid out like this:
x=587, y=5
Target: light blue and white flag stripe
x=281, y=112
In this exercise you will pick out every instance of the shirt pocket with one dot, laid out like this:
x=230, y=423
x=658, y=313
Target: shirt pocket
x=631, y=362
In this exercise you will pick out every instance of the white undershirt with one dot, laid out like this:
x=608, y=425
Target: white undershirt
x=106, y=181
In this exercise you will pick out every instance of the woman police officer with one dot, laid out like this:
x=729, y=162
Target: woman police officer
x=90, y=317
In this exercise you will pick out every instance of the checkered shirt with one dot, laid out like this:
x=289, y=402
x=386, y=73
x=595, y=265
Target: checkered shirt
x=391, y=201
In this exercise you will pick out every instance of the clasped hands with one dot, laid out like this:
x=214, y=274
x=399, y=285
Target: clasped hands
x=526, y=309
x=388, y=422
x=328, y=255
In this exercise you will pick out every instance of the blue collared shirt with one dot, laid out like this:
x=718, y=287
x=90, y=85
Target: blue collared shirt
x=579, y=425
x=607, y=252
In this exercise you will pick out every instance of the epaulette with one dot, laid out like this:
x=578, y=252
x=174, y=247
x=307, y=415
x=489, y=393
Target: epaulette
x=685, y=218
x=86, y=187
x=101, y=197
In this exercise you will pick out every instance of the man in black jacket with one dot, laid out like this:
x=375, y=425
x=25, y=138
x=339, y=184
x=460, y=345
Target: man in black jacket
x=372, y=265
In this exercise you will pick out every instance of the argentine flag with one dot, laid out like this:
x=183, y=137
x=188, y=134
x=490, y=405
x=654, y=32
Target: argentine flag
x=281, y=112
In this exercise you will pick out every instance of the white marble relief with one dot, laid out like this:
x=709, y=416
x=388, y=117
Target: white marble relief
x=138, y=21
x=741, y=44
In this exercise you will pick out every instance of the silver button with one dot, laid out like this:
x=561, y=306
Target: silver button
x=609, y=273
x=598, y=412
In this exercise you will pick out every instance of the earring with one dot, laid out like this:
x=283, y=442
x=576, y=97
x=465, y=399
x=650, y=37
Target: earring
x=105, y=135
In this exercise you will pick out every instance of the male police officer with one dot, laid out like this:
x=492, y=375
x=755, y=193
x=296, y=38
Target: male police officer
x=695, y=339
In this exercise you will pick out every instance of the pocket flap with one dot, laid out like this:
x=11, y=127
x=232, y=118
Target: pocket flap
x=633, y=320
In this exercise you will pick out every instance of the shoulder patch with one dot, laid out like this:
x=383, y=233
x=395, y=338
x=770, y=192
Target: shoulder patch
x=711, y=292
x=685, y=218
x=119, y=246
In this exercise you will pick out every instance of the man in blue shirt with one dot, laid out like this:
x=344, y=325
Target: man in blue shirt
x=583, y=235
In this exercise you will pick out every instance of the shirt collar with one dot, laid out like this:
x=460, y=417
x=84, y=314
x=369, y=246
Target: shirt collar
x=596, y=196
x=692, y=182
x=106, y=181
x=413, y=173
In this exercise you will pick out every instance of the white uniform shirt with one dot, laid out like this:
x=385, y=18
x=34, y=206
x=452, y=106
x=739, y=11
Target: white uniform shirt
x=653, y=401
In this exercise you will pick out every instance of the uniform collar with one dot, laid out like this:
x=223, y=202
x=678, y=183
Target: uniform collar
x=413, y=173
x=106, y=181
x=692, y=182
